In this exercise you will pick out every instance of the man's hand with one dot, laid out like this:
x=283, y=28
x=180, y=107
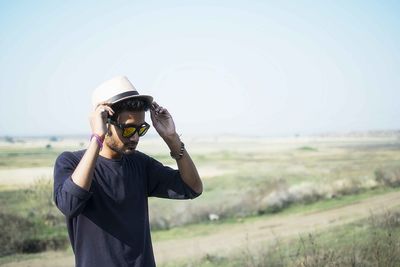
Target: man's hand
x=98, y=119
x=162, y=121
x=165, y=126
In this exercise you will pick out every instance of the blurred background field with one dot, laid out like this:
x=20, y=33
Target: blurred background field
x=223, y=69
x=246, y=181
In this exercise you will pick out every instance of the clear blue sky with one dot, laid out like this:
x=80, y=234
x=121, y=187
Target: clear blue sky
x=242, y=67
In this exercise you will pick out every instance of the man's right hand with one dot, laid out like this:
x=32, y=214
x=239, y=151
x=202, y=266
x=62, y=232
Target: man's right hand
x=98, y=119
x=83, y=174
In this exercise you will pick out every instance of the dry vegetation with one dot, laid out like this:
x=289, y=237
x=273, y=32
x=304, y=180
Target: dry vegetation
x=268, y=176
x=242, y=177
x=366, y=243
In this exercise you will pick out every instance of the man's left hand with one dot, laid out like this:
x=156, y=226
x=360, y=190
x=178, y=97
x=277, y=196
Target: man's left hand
x=162, y=121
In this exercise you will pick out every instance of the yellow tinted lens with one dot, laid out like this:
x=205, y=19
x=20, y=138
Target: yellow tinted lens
x=142, y=130
x=128, y=132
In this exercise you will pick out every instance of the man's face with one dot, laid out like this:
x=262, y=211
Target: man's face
x=116, y=141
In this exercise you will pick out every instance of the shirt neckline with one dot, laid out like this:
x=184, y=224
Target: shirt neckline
x=111, y=160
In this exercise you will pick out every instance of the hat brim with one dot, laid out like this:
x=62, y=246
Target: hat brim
x=147, y=98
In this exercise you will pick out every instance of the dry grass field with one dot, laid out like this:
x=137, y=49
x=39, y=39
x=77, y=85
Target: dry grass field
x=260, y=189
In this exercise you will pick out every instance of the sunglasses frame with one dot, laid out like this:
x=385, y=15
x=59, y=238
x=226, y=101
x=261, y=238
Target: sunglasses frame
x=124, y=126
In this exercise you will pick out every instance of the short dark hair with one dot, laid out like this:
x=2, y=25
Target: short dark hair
x=130, y=104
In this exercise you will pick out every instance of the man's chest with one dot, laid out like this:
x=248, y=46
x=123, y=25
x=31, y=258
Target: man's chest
x=119, y=184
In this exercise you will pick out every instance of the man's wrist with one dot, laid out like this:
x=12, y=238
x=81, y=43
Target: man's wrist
x=172, y=139
x=174, y=143
x=102, y=135
x=98, y=139
x=178, y=155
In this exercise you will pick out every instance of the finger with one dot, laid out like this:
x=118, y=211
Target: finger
x=154, y=105
x=109, y=110
x=164, y=111
x=101, y=110
x=102, y=104
x=152, y=112
x=98, y=107
x=157, y=110
x=152, y=116
x=104, y=111
x=104, y=107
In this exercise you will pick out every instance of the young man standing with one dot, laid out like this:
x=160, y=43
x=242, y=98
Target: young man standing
x=103, y=190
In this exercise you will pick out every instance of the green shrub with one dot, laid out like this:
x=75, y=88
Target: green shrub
x=13, y=231
x=34, y=224
x=23, y=235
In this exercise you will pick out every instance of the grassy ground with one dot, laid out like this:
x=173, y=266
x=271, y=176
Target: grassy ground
x=368, y=242
x=209, y=227
x=25, y=157
x=243, y=236
x=261, y=181
x=244, y=180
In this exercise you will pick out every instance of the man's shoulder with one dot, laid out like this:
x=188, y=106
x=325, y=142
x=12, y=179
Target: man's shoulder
x=70, y=156
x=76, y=154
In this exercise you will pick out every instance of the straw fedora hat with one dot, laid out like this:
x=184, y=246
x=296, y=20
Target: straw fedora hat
x=115, y=90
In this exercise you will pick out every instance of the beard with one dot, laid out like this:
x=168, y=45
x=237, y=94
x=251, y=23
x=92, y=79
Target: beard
x=120, y=147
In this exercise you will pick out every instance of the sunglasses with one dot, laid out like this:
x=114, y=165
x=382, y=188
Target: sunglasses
x=129, y=130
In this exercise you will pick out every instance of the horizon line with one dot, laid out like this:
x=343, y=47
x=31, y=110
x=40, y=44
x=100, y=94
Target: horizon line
x=393, y=131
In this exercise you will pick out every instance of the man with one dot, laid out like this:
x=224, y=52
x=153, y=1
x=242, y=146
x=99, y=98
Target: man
x=103, y=190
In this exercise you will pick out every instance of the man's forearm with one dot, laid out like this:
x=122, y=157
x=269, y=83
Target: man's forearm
x=83, y=174
x=186, y=165
x=189, y=172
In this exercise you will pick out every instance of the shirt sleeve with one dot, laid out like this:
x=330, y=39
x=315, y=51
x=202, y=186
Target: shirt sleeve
x=68, y=196
x=165, y=182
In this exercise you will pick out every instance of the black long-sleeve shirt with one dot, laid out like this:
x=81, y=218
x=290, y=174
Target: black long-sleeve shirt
x=109, y=224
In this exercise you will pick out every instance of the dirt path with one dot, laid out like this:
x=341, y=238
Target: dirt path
x=245, y=234
x=250, y=234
